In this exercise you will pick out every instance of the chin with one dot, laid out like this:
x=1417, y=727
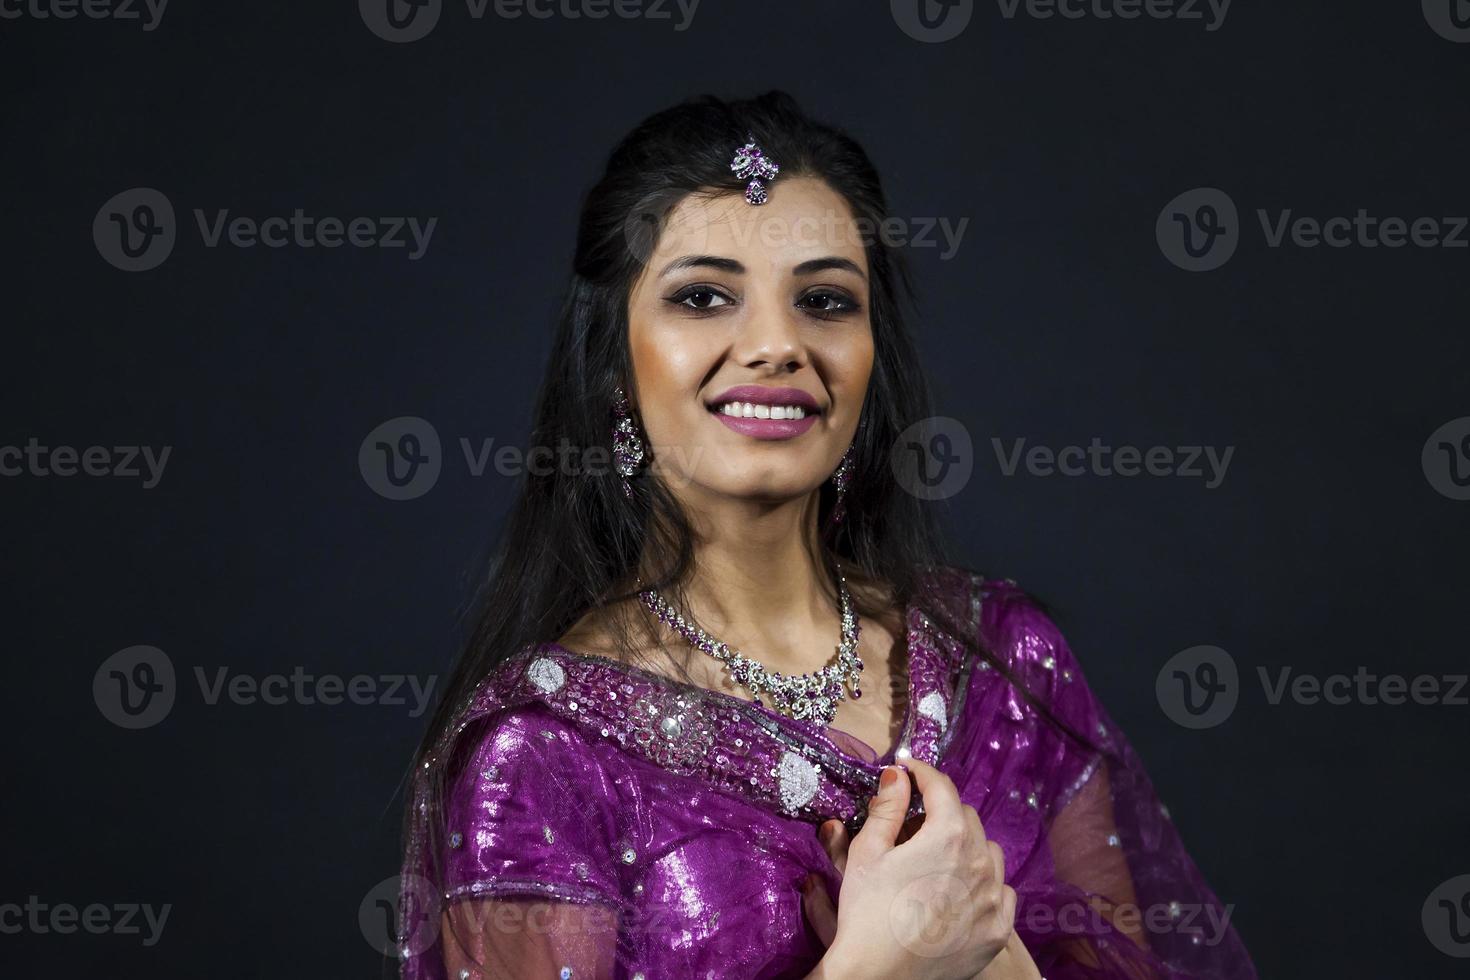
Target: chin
x=763, y=482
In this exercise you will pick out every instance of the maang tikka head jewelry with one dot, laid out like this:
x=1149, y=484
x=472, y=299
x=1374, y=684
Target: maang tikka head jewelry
x=750, y=162
x=627, y=445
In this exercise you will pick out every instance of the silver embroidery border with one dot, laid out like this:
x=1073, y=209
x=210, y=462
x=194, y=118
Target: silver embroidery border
x=492, y=887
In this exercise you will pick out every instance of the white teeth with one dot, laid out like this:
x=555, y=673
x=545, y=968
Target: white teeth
x=751, y=410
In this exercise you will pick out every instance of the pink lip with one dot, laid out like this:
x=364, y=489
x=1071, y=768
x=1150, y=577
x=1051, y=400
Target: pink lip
x=767, y=428
x=763, y=395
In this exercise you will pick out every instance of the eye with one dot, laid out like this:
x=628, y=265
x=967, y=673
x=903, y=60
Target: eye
x=700, y=298
x=827, y=303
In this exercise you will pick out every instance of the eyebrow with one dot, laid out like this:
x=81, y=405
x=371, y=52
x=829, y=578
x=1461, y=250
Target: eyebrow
x=830, y=262
x=703, y=261
x=732, y=266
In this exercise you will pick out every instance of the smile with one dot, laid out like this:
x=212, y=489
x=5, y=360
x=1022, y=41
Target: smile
x=766, y=413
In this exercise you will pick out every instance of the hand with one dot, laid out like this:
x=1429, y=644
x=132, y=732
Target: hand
x=933, y=905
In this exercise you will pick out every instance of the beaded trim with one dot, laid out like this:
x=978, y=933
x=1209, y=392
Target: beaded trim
x=482, y=887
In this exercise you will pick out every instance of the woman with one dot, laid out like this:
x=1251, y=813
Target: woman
x=610, y=789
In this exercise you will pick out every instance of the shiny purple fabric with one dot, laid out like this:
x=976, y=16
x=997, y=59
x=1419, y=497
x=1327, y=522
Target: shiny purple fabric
x=665, y=829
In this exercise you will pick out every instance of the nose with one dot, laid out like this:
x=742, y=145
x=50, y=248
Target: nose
x=770, y=339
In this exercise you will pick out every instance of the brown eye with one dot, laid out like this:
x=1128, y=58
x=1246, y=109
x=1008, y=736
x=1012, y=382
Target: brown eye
x=701, y=298
x=827, y=303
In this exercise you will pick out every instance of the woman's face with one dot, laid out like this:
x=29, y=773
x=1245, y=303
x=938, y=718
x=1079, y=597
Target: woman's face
x=751, y=342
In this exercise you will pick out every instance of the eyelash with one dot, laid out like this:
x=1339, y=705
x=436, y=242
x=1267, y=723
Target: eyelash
x=845, y=304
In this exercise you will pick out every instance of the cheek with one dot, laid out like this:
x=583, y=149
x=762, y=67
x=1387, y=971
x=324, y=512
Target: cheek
x=669, y=364
x=849, y=363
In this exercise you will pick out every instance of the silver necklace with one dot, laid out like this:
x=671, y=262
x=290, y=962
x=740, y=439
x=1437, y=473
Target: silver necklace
x=811, y=696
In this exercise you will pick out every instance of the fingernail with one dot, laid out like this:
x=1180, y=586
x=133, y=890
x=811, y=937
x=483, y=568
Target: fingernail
x=888, y=778
x=827, y=832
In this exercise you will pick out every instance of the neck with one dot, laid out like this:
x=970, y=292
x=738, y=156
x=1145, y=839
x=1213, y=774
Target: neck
x=758, y=582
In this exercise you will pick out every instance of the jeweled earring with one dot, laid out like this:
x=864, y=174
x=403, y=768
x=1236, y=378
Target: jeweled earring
x=627, y=445
x=841, y=477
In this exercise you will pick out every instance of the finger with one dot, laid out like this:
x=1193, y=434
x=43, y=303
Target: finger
x=997, y=861
x=1008, y=907
x=820, y=912
x=972, y=821
x=941, y=799
x=886, y=813
x=836, y=840
x=910, y=827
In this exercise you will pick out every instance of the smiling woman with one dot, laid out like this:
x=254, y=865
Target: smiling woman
x=728, y=710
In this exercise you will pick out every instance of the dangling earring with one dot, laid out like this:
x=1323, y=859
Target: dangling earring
x=627, y=445
x=841, y=477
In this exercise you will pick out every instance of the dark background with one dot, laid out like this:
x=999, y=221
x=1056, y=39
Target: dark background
x=263, y=548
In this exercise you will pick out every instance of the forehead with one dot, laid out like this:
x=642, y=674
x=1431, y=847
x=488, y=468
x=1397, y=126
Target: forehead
x=803, y=218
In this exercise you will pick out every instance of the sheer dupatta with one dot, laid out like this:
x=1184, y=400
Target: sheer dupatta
x=1105, y=886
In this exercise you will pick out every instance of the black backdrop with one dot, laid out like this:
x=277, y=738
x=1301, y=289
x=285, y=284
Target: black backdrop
x=1334, y=542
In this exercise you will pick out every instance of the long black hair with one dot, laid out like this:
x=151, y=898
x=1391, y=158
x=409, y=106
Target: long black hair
x=573, y=539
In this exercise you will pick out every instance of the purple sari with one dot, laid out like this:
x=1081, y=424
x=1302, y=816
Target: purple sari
x=604, y=822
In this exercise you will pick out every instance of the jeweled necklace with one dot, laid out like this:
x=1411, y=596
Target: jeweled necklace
x=811, y=696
